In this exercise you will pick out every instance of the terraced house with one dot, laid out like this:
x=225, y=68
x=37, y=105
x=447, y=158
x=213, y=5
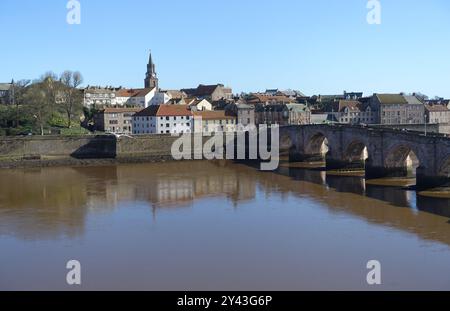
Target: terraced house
x=163, y=119
x=398, y=109
x=115, y=120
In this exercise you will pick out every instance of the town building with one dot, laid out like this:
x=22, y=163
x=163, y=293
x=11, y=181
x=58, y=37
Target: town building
x=437, y=114
x=397, y=109
x=200, y=105
x=6, y=93
x=212, y=93
x=151, y=78
x=271, y=114
x=135, y=97
x=299, y=114
x=164, y=97
x=351, y=112
x=258, y=98
x=115, y=120
x=95, y=96
x=163, y=119
x=245, y=116
x=214, y=121
x=438, y=101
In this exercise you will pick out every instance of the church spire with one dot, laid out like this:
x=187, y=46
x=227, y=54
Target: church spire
x=151, y=79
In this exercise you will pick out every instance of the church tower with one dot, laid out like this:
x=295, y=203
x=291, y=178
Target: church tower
x=151, y=79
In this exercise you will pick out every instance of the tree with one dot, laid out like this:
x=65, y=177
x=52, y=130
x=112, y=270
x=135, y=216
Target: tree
x=39, y=104
x=18, y=92
x=71, y=98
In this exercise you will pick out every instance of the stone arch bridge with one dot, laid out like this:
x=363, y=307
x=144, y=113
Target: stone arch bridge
x=382, y=152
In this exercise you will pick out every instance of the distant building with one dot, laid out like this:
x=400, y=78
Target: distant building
x=437, y=114
x=151, y=78
x=397, y=109
x=163, y=97
x=99, y=96
x=438, y=101
x=163, y=119
x=115, y=120
x=200, y=105
x=245, y=116
x=299, y=114
x=6, y=93
x=214, y=121
x=212, y=93
x=271, y=114
x=135, y=97
x=352, y=112
x=257, y=98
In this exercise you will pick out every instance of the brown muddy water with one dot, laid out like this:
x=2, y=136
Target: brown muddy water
x=216, y=226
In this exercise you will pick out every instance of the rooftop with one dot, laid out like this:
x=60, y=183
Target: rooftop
x=391, y=99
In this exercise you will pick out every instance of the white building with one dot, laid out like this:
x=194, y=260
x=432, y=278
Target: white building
x=135, y=97
x=214, y=121
x=200, y=105
x=99, y=96
x=163, y=97
x=163, y=119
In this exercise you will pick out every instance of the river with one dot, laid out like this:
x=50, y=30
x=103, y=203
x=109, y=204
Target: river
x=216, y=226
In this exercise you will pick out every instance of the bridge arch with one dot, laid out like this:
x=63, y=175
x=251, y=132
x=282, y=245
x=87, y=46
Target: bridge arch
x=356, y=151
x=444, y=169
x=317, y=145
x=402, y=160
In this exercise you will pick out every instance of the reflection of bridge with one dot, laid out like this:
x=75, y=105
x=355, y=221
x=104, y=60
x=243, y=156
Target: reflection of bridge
x=383, y=152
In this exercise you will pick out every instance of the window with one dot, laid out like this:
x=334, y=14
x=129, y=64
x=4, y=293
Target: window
x=167, y=125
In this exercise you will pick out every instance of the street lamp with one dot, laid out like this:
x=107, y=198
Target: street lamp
x=425, y=121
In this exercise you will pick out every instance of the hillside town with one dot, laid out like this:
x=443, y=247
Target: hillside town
x=214, y=108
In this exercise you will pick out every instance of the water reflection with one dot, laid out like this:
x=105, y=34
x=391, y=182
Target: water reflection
x=55, y=202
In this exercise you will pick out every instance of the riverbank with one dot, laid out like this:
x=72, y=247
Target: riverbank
x=45, y=151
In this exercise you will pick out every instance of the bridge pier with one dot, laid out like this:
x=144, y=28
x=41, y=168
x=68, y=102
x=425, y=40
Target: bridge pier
x=426, y=181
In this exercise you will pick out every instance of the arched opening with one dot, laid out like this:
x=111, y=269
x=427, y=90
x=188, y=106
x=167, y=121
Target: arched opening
x=356, y=154
x=444, y=171
x=402, y=161
x=286, y=145
x=317, y=146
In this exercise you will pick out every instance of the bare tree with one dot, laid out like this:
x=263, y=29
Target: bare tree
x=70, y=95
x=38, y=104
x=18, y=92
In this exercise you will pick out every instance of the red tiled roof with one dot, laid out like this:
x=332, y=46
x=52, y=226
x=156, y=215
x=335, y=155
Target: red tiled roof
x=173, y=110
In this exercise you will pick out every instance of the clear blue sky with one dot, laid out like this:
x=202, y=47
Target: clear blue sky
x=316, y=46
